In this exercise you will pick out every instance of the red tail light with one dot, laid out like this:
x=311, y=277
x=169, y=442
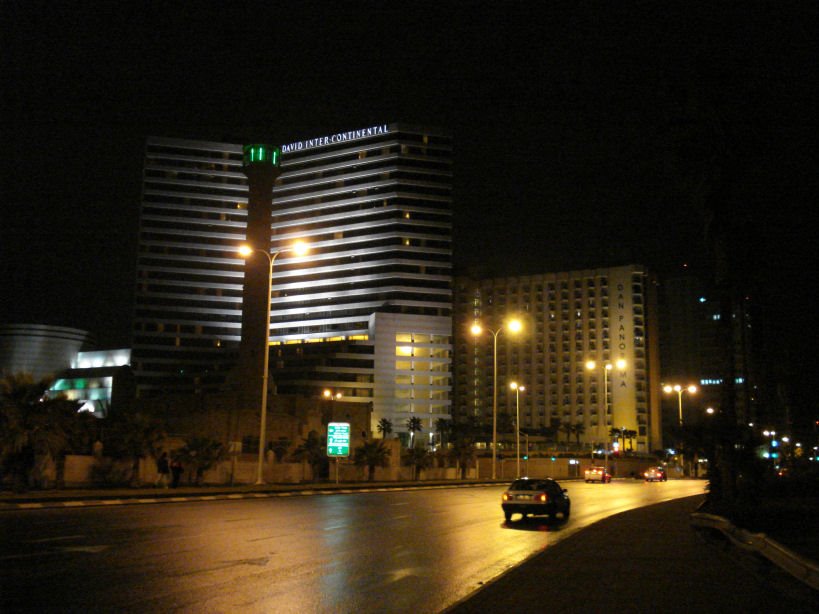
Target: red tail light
x=542, y=497
x=505, y=496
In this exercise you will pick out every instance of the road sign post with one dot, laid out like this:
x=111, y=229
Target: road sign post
x=338, y=441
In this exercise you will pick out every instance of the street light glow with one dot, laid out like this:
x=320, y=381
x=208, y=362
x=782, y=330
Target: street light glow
x=513, y=326
x=246, y=251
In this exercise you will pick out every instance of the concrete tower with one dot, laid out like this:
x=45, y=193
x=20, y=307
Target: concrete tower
x=260, y=164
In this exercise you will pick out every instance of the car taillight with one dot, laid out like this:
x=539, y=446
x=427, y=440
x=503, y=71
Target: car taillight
x=505, y=496
x=542, y=497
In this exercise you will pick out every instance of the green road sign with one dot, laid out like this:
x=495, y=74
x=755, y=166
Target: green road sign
x=338, y=439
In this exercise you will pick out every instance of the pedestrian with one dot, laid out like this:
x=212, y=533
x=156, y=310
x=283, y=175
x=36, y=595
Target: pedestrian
x=162, y=470
x=176, y=472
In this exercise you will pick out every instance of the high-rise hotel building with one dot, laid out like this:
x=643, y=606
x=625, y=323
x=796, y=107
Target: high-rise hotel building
x=569, y=319
x=366, y=314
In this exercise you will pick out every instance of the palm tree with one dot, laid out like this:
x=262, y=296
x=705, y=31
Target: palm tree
x=444, y=428
x=372, y=454
x=312, y=451
x=630, y=435
x=59, y=428
x=384, y=427
x=418, y=459
x=578, y=428
x=134, y=436
x=414, y=425
x=566, y=428
x=33, y=426
x=201, y=454
x=19, y=399
x=463, y=453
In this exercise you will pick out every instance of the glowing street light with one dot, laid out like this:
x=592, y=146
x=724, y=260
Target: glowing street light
x=591, y=365
x=246, y=251
x=517, y=388
x=513, y=326
x=691, y=389
x=669, y=388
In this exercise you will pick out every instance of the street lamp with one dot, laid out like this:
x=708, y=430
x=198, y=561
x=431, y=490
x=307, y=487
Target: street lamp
x=517, y=388
x=669, y=388
x=691, y=389
x=514, y=326
x=247, y=251
x=591, y=365
x=328, y=394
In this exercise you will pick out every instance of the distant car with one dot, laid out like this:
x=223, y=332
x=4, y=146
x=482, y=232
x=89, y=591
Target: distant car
x=597, y=474
x=655, y=474
x=537, y=497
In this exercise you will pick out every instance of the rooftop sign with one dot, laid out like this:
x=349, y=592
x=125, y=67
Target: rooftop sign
x=340, y=137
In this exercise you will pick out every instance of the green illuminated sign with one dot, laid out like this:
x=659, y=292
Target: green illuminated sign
x=261, y=154
x=338, y=439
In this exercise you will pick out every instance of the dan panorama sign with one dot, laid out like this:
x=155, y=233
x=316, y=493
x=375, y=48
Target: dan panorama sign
x=339, y=137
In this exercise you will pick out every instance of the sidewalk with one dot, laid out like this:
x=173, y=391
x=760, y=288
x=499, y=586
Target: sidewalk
x=646, y=560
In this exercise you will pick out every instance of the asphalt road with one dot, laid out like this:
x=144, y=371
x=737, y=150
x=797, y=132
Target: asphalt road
x=413, y=550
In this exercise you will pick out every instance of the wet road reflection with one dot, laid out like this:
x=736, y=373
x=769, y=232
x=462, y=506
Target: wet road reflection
x=414, y=551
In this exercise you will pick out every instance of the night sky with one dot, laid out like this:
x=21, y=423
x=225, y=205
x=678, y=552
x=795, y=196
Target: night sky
x=586, y=134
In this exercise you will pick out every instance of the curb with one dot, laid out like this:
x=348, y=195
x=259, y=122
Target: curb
x=142, y=499
x=799, y=567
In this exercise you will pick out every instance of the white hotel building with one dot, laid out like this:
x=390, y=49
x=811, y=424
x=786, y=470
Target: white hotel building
x=366, y=314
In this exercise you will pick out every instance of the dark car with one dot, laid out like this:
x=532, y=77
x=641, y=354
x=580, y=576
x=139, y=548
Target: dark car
x=537, y=497
x=655, y=474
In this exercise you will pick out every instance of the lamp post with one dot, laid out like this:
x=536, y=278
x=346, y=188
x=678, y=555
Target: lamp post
x=517, y=388
x=514, y=326
x=246, y=252
x=591, y=365
x=691, y=389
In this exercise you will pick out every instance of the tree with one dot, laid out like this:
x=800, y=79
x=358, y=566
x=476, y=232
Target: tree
x=201, y=454
x=134, y=436
x=384, y=427
x=463, y=453
x=58, y=427
x=578, y=428
x=567, y=429
x=629, y=435
x=444, y=428
x=414, y=425
x=312, y=451
x=372, y=454
x=418, y=459
x=34, y=426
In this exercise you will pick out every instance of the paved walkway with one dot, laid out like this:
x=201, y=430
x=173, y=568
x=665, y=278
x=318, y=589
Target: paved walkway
x=646, y=560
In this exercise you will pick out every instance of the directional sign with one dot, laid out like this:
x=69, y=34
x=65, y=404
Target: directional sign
x=338, y=439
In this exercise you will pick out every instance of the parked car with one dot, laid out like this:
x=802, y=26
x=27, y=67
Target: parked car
x=655, y=474
x=537, y=497
x=597, y=474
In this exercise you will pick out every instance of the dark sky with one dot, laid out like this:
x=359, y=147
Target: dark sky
x=586, y=134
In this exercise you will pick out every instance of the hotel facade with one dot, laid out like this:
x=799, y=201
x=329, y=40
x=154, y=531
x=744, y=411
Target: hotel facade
x=569, y=319
x=366, y=314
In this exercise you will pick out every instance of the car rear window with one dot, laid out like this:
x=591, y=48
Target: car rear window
x=530, y=485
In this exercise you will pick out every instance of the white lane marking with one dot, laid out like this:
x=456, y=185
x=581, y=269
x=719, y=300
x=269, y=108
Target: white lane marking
x=54, y=539
x=89, y=549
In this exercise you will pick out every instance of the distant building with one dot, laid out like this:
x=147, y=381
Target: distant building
x=367, y=313
x=569, y=318
x=97, y=379
x=691, y=352
x=39, y=350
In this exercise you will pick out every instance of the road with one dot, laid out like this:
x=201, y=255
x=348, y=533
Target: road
x=399, y=551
